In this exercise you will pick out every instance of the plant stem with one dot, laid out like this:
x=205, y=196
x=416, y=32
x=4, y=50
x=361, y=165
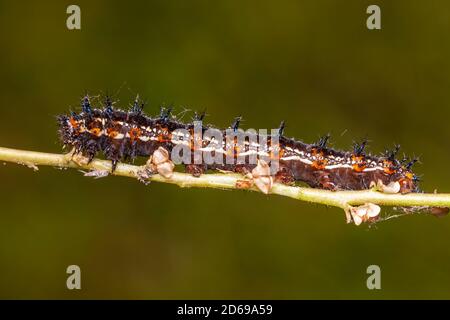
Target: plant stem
x=341, y=199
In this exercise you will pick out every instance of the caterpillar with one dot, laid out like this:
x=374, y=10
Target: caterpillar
x=125, y=135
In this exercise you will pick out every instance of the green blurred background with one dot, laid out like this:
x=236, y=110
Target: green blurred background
x=312, y=63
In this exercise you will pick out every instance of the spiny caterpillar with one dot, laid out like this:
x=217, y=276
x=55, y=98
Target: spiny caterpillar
x=123, y=135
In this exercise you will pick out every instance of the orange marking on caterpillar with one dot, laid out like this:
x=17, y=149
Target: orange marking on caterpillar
x=319, y=164
x=388, y=167
x=112, y=133
x=95, y=131
x=315, y=153
x=134, y=133
x=360, y=164
x=74, y=123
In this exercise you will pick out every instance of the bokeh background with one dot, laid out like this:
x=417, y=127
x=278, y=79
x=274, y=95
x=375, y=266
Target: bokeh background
x=312, y=63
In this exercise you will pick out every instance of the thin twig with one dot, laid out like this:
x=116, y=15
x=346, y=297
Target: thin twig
x=341, y=199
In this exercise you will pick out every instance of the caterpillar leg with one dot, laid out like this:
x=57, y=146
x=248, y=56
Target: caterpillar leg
x=195, y=169
x=285, y=176
x=78, y=157
x=326, y=183
x=114, y=153
x=90, y=150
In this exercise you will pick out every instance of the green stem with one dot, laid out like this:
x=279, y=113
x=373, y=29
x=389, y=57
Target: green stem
x=341, y=199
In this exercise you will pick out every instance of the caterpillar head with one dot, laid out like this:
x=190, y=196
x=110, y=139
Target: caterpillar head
x=66, y=129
